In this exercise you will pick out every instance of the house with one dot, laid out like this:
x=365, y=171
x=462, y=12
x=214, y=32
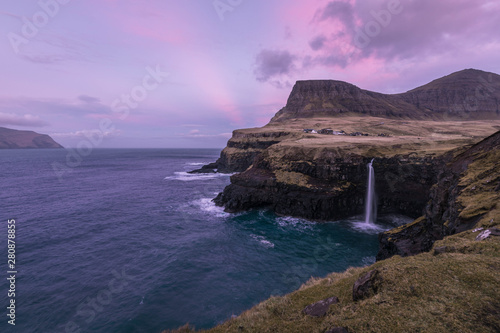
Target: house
x=325, y=131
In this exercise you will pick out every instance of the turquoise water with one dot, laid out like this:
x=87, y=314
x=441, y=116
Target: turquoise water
x=129, y=242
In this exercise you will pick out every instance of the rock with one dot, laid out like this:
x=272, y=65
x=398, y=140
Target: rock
x=444, y=249
x=366, y=286
x=319, y=309
x=337, y=330
x=209, y=168
x=487, y=233
x=440, y=250
x=406, y=240
x=483, y=235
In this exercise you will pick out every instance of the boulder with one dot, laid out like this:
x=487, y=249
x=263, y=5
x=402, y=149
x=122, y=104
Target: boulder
x=366, y=286
x=320, y=309
x=487, y=233
x=337, y=330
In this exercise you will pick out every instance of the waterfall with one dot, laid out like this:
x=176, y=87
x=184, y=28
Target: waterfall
x=370, y=202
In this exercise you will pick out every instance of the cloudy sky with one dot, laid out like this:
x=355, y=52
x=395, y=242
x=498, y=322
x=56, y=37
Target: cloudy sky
x=168, y=73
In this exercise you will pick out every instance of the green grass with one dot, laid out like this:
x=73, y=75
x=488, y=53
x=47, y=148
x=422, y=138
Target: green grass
x=479, y=196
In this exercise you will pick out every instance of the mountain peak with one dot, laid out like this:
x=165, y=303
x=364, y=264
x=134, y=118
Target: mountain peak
x=467, y=94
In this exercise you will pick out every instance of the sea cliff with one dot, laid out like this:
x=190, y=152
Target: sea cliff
x=436, y=150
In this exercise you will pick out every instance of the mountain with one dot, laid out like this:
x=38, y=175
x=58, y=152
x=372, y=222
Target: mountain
x=426, y=113
x=15, y=139
x=466, y=95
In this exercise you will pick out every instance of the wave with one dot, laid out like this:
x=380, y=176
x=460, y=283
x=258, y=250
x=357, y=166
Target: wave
x=196, y=163
x=262, y=240
x=207, y=205
x=189, y=177
x=297, y=223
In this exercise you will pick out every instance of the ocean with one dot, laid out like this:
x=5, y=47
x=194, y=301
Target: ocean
x=128, y=241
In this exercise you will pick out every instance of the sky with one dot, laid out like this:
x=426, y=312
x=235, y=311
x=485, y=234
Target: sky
x=185, y=74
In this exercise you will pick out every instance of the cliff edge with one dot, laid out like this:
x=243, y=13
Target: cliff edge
x=465, y=196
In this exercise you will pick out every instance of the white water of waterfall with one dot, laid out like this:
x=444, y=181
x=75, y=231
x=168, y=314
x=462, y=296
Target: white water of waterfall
x=370, y=202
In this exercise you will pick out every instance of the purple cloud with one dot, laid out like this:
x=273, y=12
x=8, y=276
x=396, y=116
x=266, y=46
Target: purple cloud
x=84, y=105
x=273, y=65
x=89, y=99
x=317, y=42
x=338, y=10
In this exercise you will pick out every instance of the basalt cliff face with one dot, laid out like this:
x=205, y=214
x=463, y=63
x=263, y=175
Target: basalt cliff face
x=329, y=183
x=15, y=139
x=411, y=136
x=466, y=195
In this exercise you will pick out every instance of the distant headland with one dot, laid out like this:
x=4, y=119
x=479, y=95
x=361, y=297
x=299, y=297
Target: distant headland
x=16, y=139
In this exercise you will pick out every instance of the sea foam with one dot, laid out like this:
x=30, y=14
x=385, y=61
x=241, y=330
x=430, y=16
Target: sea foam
x=188, y=177
x=369, y=228
x=207, y=205
x=294, y=222
x=262, y=240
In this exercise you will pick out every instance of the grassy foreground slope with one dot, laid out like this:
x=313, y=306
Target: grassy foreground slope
x=452, y=288
x=456, y=291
